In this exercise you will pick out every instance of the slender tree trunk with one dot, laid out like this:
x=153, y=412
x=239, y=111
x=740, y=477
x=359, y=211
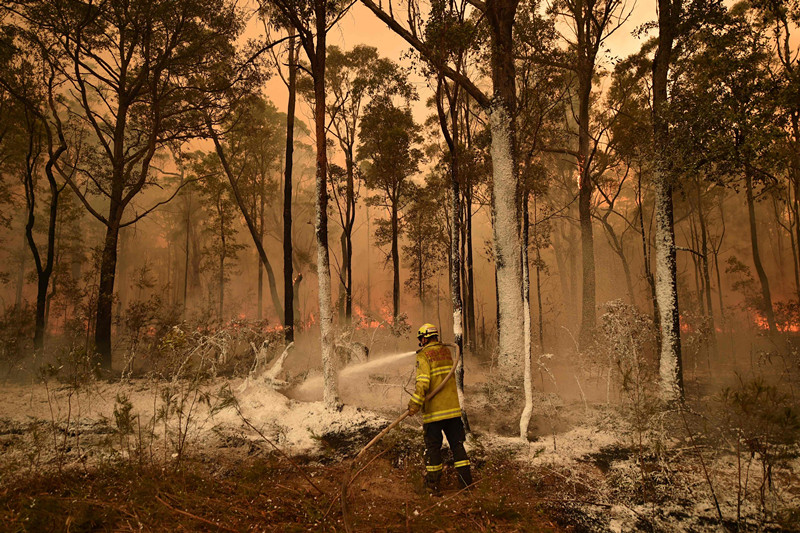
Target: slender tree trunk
x=186, y=259
x=21, y=272
x=347, y=237
x=369, y=267
x=42, y=302
x=588, y=300
x=539, y=299
x=526, y=320
x=712, y=336
x=564, y=275
x=248, y=218
x=793, y=221
x=538, y=279
x=221, y=280
x=221, y=295
x=43, y=271
x=451, y=137
x=272, y=283
x=420, y=251
x=795, y=121
x=648, y=273
x=288, y=282
x=259, y=264
x=618, y=249
x=395, y=262
x=698, y=277
x=762, y=275
x=330, y=388
x=469, y=299
x=469, y=294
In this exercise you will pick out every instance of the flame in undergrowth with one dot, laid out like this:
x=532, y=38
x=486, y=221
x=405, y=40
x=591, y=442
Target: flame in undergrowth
x=237, y=324
x=312, y=320
x=386, y=314
x=365, y=321
x=761, y=323
x=790, y=328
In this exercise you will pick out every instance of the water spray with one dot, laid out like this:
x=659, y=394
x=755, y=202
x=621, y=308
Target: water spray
x=350, y=477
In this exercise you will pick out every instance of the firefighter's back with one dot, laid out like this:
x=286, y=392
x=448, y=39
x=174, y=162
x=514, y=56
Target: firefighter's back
x=445, y=404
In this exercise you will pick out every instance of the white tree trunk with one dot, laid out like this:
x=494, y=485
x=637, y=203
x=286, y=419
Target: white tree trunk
x=330, y=392
x=666, y=294
x=506, y=245
x=526, y=320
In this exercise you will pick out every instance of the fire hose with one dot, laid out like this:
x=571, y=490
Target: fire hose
x=349, y=477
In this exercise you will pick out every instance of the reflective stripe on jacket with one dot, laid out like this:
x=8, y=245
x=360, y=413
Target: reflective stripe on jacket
x=433, y=364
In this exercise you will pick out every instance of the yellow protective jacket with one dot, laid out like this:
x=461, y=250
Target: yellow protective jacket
x=433, y=364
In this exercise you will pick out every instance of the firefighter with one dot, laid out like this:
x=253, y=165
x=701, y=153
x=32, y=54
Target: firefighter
x=442, y=413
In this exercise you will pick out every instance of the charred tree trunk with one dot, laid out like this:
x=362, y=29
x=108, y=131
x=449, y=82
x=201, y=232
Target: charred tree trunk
x=369, y=269
x=105, y=295
x=588, y=298
x=221, y=294
x=795, y=121
x=347, y=236
x=186, y=258
x=451, y=137
x=469, y=294
x=44, y=270
x=420, y=273
x=288, y=282
x=793, y=245
x=769, y=313
x=395, y=220
x=21, y=273
x=258, y=259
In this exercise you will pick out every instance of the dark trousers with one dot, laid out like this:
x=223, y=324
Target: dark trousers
x=453, y=429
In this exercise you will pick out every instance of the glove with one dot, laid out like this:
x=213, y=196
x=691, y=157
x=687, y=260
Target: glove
x=413, y=408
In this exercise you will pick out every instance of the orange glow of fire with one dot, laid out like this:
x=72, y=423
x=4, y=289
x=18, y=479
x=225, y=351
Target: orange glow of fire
x=760, y=322
x=365, y=322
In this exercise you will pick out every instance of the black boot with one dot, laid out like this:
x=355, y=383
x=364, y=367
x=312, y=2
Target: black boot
x=464, y=476
x=432, y=484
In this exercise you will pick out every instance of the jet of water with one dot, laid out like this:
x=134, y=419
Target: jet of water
x=375, y=363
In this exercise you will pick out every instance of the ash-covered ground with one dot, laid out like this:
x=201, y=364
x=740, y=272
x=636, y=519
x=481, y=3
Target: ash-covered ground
x=147, y=453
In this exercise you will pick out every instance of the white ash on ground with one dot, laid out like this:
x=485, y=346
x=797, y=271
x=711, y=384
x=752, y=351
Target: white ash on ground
x=297, y=427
